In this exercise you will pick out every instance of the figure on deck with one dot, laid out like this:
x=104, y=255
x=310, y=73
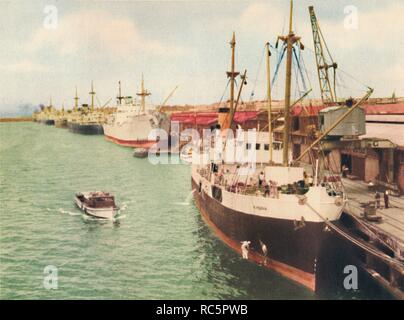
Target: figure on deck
x=261, y=179
x=386, y=199
x=377, y=198
x=264, y=250
x=245, y=247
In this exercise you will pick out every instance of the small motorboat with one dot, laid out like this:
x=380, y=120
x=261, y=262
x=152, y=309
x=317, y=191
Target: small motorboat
x=97, y=204
x=140, y=153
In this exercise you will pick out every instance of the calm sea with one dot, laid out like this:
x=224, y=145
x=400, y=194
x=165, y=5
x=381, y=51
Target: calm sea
x=159, y=248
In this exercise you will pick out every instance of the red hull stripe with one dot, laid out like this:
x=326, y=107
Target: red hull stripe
x=147, y=144
x=304, y=278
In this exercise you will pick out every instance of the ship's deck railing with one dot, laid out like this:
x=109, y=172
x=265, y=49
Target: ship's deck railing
x=249, y=185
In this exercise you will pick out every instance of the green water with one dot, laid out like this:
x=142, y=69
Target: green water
x=158, y=249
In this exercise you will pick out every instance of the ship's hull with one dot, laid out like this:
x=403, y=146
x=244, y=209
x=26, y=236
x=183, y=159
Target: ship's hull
x=88, y=129
x=103, y=213
x=146, y=144
x=133, y=133
x=293, y=252
x=48, y=122
x=61, y=124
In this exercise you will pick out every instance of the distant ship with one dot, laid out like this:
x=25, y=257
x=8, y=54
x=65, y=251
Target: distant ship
x=88, y=123
x=61, y=119
x=131, y=124
x=47, y=115
x=86, y=120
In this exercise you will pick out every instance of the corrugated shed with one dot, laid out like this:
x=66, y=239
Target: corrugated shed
x=208, y=118
x=392, y=132
x=390, y=118
x=393, y=108
x=371, y=109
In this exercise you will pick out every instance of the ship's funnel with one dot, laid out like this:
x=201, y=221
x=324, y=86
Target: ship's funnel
x=224, y=118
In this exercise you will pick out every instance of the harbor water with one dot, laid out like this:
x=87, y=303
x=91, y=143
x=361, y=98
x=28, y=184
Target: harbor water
x=158, y=248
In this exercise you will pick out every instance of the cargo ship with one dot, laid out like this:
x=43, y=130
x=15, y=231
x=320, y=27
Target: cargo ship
x=61, y=118
x=86, y=120
x=88, y=123
x=61, y=123
x=132, y=123
x=274, y=214
x=47, y=115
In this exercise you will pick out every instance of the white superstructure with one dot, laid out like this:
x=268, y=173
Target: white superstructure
x=132, y=123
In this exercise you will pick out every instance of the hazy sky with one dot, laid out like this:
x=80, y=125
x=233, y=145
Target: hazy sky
x=185, y=43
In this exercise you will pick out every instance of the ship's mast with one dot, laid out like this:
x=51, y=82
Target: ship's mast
x=143, y=94
x=76, y=101
x=119, y=97
x=232, y=74
x=227, y=120
x=92, y=92
x=290, y=40
x=269, y=102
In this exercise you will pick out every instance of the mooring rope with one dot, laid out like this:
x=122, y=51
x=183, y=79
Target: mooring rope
x=369, y=249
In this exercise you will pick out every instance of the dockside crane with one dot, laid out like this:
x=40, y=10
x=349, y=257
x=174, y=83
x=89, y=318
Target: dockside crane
x=166, y=99
x=328, y=92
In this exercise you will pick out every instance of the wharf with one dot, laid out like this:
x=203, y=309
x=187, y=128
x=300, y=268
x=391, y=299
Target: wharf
x=391, y=226
x=17, y=119
x=385, y=266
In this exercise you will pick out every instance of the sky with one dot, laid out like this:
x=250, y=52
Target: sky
x=186, y=43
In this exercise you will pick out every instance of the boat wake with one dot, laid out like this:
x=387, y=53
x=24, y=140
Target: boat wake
x=187, y=201
x=98, y=220
x=69, y=212
x=182, y=203
x=119, y=217
x=90, y=219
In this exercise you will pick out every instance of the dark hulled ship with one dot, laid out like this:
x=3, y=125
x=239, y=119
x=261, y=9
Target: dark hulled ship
x=61, y=119
x=85, y=127
x=269, y=212
x=49, y=122
x=86, y=120
x=61, y=123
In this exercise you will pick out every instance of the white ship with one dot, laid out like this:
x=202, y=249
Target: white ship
x=132, y=123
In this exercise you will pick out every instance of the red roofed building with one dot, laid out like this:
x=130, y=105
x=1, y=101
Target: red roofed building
x=207, y=120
